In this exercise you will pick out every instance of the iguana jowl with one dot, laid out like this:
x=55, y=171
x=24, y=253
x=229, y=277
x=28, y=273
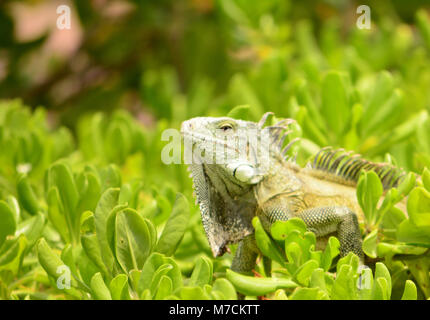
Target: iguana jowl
x=272, y=186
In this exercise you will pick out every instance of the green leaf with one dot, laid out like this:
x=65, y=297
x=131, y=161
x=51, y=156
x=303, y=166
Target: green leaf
x=110, y=227
x=370, y=244
x=365, y=284
x=202, y=273
x=330, y=252
x=88, y=199
x=382, y=90
x=125, y=194
x=110, y=177
x=241, y=92
x=134, y=276
x=369, y=190
x=107, y=202
x=91, y=247
x=304, y=272
x=12, y=254
x=350, y=259
x=119, y=288
x=407, y=184
x=385, y=114
x=391, y=221
x=426, y=179
x=308, y=244
x=117, y=142
x=164, y=288
x=280, y=295
x=14, y=206
x=399, y=133
x=146, y=295
x=67, y=256
x=309, y=126
x=423, y=23
x=294, y=255
x=87, y=223
x=60, y=176
x=132, y=240
x=303, y=94
x=56, y=213
x=26, y=196
x=267, y=246
x=380, y=288
x=226, y=288
x=193, y=293
x=344, y=287
x=381, y=271
x=99, y=288
x=239, y=112
x=411, y=234
x=159, y=273
x=252, y=286
x=419, y=207
x=317, y=279
x=152, y=264
x=8, y=222
x=152, y=232
x=87, y=269
x=48, y=260
x=410, y=292
x=388, y=249
x=281, y=229
x=175, y=227
x=309, y=294
x=335, y=102
x=32, y=228
x=9, y=251
x=235, y=12
x=52, y=264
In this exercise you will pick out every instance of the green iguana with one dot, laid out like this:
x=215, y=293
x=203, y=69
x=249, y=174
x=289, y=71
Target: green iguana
x=240, y=170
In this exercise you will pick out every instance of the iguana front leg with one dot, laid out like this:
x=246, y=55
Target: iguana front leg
x=323, y=221
x=246, y=254
x=245, y=257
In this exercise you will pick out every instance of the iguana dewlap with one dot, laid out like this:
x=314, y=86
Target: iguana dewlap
x=239, y=170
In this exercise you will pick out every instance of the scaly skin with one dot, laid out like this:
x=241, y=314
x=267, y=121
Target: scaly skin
x=230, y=194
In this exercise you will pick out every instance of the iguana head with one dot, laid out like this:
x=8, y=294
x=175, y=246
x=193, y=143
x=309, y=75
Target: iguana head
x=227, y=157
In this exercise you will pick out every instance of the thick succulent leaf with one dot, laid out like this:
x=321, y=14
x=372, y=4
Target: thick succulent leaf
x=175, y=227
x=132, y=240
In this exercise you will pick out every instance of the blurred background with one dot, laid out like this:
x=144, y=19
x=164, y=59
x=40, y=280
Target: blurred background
x=140, y=55
x=171, y=60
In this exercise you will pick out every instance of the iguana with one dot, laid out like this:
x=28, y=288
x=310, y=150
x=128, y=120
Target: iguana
x=271, y=185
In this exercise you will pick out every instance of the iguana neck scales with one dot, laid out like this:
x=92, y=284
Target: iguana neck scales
x=240, y=170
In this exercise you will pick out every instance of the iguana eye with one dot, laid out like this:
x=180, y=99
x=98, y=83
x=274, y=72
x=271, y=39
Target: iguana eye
x=226, y=127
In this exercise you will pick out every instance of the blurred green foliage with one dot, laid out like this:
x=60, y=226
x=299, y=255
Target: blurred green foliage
x=82, y=184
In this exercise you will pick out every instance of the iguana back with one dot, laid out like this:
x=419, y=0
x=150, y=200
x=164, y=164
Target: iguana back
x=332, y=177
